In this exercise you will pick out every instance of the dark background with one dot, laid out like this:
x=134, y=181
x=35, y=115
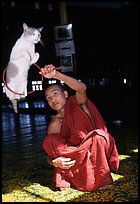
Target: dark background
x=105, y=38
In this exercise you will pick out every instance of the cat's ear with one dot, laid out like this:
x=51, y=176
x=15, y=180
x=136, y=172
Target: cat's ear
x=25, y=27
x=40, y=29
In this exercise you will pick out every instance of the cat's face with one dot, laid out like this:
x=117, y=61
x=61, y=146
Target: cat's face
x=31, y=34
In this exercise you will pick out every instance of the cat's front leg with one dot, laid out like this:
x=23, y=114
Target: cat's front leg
x=35, y=58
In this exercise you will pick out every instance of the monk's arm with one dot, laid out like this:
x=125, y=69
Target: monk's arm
x=76, y=85
x=80, y=88
x=61, y=162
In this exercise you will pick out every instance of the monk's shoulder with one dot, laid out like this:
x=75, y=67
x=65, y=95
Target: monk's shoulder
x=54, y=125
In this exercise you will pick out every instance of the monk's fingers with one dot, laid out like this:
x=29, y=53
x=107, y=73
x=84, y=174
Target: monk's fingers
x=50, y=69
x=68, y=163
x=67, y=166
x=47, y=74
x=65, y=159
x=47, y=70
x=63, y=162
x=41, y=71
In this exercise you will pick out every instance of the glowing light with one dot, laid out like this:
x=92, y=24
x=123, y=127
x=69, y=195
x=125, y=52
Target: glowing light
x=124, y=81
x=37, y=85
x=62, y=82
x=52, y=81
x=116, y=176
x=135, y=150
x=69, y=26
x=122, y=157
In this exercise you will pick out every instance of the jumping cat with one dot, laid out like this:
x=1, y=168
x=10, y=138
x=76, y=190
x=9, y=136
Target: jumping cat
x=22, y=56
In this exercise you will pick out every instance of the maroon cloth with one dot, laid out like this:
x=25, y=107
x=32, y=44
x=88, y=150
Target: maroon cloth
x=91, y=145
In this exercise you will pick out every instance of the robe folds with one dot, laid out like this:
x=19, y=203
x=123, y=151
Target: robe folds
x=86, y=141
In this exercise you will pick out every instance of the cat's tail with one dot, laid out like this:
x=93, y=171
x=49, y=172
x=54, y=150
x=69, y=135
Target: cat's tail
x=14, y=104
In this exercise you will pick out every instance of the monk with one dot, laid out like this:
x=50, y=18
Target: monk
x=77, y=143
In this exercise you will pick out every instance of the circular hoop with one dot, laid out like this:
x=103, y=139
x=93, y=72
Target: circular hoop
x=14, y=91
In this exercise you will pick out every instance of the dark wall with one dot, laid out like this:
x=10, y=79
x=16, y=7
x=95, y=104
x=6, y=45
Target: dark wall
x=105, y=42
x=12, y=21
x=105, y=38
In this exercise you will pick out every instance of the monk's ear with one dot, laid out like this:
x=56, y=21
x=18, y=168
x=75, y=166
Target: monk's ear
x=66, y=94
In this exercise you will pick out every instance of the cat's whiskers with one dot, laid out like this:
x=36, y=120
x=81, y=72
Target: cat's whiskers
x=42, y=43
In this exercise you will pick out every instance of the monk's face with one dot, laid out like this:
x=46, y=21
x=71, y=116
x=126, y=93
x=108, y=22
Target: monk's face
x=56, y=97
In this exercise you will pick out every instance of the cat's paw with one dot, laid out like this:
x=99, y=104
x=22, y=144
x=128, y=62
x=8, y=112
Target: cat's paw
x=35, y=58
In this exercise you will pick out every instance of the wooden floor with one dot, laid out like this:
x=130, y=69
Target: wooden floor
x=24, y=132
x=24, y=159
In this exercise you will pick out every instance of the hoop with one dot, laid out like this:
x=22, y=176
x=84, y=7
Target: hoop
x=14, y=91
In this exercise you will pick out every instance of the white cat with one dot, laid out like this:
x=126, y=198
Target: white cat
x=21, y=58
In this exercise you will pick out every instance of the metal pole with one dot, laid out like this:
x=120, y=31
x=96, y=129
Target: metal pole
x=63, y=13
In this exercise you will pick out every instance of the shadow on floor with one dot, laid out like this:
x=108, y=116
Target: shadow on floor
x=26, y=176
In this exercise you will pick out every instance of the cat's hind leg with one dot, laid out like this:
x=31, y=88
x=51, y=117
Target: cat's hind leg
x=14, y=105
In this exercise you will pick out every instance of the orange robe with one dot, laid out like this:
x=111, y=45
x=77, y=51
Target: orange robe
x=91, y=145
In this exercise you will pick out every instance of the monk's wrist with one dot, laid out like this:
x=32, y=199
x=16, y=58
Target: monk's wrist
x=58, y=75
x=50, y=160
x=54, y=163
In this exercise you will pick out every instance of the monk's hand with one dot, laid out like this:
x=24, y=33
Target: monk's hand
x=63, y=162
x=48, y=71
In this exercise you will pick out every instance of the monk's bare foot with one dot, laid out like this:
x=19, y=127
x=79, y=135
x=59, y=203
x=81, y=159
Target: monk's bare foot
x=102, y=188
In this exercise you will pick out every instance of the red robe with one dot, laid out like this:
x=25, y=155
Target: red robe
x=91, y=145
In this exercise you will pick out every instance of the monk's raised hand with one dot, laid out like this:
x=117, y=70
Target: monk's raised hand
x=63, y=162
x=48, y=71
